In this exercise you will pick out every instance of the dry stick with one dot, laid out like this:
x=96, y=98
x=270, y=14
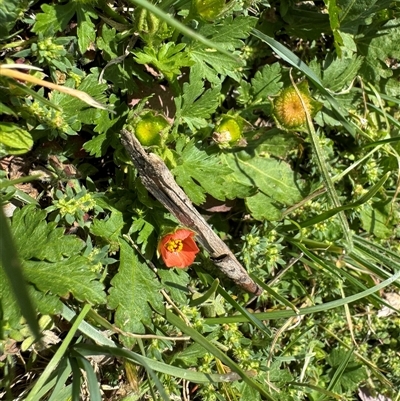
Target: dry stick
x=159, y=181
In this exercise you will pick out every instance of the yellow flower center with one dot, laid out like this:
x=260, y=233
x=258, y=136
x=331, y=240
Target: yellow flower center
x=174, y=245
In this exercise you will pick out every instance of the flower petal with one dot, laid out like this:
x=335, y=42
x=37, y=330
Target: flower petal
x=186, y=255
x=182, y=234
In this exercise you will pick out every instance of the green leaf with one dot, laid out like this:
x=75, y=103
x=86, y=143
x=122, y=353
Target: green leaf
x=98, y=145
x=353, y=373
x=133, y=289
x=273, y=142
x=7, y=110
x=340, y=72
x=266, y=82
x=354, y=13
x=378, y=47
x=120, y=73
x=176, y=281
x=169, y=58
x=194, y=171
x=110, y=229
x=54, y=18
x=195, y=105
x=175, y=23
x=274, y=180
x=35, y=239
x=10, y=311
x=69, y=276
x=52, y=262
x=78, y=110
x=306, y=22
x=86, y=28
x=375, y=219
x=14, y=140
x=229, y=35
x=46, y=303
x=10, y=13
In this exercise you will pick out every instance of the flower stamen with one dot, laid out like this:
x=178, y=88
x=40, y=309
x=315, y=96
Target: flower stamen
x=174, y=245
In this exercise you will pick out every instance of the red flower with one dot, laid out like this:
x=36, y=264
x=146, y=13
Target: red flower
x=178, y=249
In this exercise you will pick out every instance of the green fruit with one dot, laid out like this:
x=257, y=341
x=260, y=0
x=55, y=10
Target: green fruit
x=228, y=131
x=149, y=129
x=208, y=10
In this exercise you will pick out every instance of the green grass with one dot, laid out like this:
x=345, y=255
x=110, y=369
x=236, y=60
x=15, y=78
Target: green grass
x=304, y=192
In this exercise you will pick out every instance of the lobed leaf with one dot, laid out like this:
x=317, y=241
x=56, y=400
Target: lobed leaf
x=194, y=170
x=134, y=290
x=273, y=179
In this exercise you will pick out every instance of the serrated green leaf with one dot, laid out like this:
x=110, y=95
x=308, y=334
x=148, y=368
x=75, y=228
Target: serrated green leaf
x=340, y=72
x=35, y=239
x=133, y=289
x=97, y=146
x=69, y=276
x=78, y=110
x=274, y=180
x=194, y=171
x=169, y=58
x=54, y=18
x=354, y=13
x=109, y=229
x=378, y=47
x=266, y=82
x=46, y=303
x=86, y=28
x=228, y=34
x=119, y=74
x=176, y=281
x=195, y=105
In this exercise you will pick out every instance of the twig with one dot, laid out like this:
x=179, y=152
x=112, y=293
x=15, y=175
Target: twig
x=159, y=181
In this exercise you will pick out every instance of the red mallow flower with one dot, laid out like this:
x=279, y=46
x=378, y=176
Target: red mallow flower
x=178, y=249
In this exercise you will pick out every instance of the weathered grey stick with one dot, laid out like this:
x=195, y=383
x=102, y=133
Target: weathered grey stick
x=159, y=181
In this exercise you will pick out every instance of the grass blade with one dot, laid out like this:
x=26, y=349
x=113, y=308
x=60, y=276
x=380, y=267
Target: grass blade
x=312, y=309
x=63, y=374
x=58, y=355
x=93, y=385
x=176, y=321
x=325, y=215
x=250, y=316
x=189, y=375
